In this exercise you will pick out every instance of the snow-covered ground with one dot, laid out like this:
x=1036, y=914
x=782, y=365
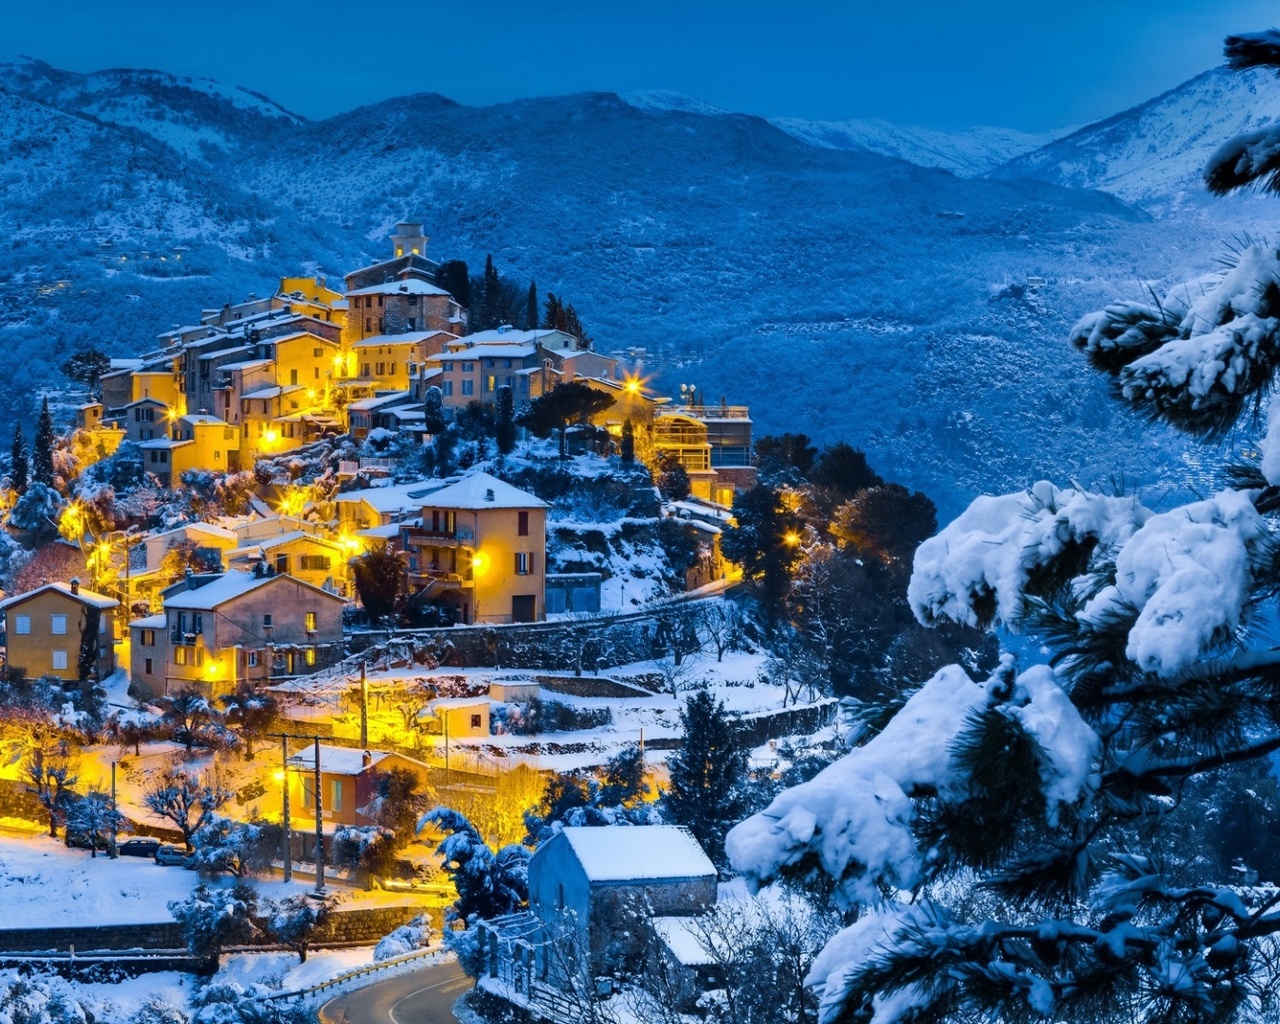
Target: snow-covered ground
x=45, y=884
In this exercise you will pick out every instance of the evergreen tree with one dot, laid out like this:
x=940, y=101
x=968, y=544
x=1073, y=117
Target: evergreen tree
x=490, y=313
x=87, y=656
x=554, y=315
x=561, y=316
x=566, y=404
x=1028, y=815
x=531, y=308
x=766, y=543
x=784, y=458
x=434, y=422
x=505, y=427
x=706, y=774
x=627, y=447
x=454, y=278
x=19, y=470
x=379, y=575
x=42, y=448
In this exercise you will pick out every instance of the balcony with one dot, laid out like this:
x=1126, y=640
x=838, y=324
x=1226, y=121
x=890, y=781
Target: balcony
x=461, y=534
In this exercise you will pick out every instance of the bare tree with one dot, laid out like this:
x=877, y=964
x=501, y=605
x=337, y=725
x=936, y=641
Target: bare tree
x=187, y=802
x=51, y=771
x=719, y=623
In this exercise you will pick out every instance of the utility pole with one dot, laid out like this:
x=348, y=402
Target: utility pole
x=364, y=708
x=286, y=840
x=319, y=827
x=115, y=820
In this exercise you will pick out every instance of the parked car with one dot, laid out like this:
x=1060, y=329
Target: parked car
x=83, y=841
x=170, y=854
x=138, y=847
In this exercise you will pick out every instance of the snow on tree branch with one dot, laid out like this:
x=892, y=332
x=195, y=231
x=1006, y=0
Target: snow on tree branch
x=976, y=570
x=854, y=819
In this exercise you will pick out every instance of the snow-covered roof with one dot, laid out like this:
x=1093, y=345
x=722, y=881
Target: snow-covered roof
x=226, y=587
x=204, y=419
x=510, y=336
x=683, y=937
x=271, y=392
x=381, y=532
x=489, y=351
x=648, y=852
x=410, y=338
x=248, y=364
x=226, y=352
x=164, y=443
x=396, y=498
x=453, y=704
x=377, y=401
x=410, y=286
x=337, y=760
x=150, y=622
x=480, y=490
x=274, y=541
x=89, y=597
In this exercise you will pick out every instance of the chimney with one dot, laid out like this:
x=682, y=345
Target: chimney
x=367, y=760
x=190, y=577
x=488, y=494
x=75, y=585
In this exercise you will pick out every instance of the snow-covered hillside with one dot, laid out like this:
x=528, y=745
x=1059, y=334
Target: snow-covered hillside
x=968, y=153
x=1155, y=153
x=837, y=291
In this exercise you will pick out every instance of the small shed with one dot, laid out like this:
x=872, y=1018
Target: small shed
x=593, y=881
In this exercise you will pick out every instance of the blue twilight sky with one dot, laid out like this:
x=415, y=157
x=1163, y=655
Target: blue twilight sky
x=1028, y=64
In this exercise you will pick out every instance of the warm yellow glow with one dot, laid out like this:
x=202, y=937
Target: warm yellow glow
x=479, y=563
x=352, y=545
x=278, y=775
x=213, y=669
x=271, y=436
x=634, y=384
x=791, y=538
x=71, y=523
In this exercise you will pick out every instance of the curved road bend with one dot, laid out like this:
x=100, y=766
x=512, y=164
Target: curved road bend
x=420, y=997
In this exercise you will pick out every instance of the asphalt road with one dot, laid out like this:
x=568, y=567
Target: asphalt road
x=420, y=997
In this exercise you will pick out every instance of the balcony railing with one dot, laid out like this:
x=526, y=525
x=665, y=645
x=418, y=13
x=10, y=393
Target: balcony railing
x=461, y=533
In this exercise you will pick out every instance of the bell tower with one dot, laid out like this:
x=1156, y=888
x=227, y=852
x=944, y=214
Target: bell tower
x=408, y=239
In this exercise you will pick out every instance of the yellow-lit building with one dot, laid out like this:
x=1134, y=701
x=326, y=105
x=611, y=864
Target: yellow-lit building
x=314, y=560
x=386, y=361
x=44, y=631
x=480, y=548
x=219, y=631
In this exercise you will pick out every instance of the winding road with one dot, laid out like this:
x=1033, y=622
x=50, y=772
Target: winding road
x=420, y=997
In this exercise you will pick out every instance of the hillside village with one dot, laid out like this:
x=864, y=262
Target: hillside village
x=314, y=564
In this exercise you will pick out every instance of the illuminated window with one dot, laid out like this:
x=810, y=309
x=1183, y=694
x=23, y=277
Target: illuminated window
x=180, y=655
x=148, y=638
x=310, y=656
x=335, y=799
x=524, y=563
x=253, y=659
x=59, y=659
x=58, y=625
x=311, y=622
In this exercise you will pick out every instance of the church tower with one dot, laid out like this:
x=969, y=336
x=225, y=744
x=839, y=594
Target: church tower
x=408, y=239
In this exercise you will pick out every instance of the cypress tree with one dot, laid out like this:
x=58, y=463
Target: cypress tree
x=433, y=408
x=705, y=774
x=505, y=434
x=490, y=297
x=531, y=308
x=20, y=469
x=628, y=446
x=42, y=449
x=554, y=318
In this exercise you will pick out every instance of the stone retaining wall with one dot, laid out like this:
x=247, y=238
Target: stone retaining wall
x=359, y=926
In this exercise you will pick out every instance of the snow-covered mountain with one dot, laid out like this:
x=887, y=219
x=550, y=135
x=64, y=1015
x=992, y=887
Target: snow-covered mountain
x=837, y=291
x=1155, y=153
x=969, y=153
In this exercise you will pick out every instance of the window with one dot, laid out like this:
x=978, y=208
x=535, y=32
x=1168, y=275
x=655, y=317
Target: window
x=335, y=798
x=468, y=367
x=382, y=369
x=365, y=372
x=490, y=383
x=368, y=324
x=308, y=791
x=468, y=387
x=59, y=659
x=309, y=656
x=446, y=388
x=282, y=564
x=22, y=625
x=146, y=666
x=148, y=638
x=522, y=524
x=524, y=563
x=506, y=364
x=393, y=369
x=266, y=621
x=293, y=376
x=316, y=353
x=180, y=655
x=197, y=622
x=316, y=563
x=253, y=659
x=311, y=622
x=58, y=625
x=217, y=455
x=475, y=721
x=315, y=372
